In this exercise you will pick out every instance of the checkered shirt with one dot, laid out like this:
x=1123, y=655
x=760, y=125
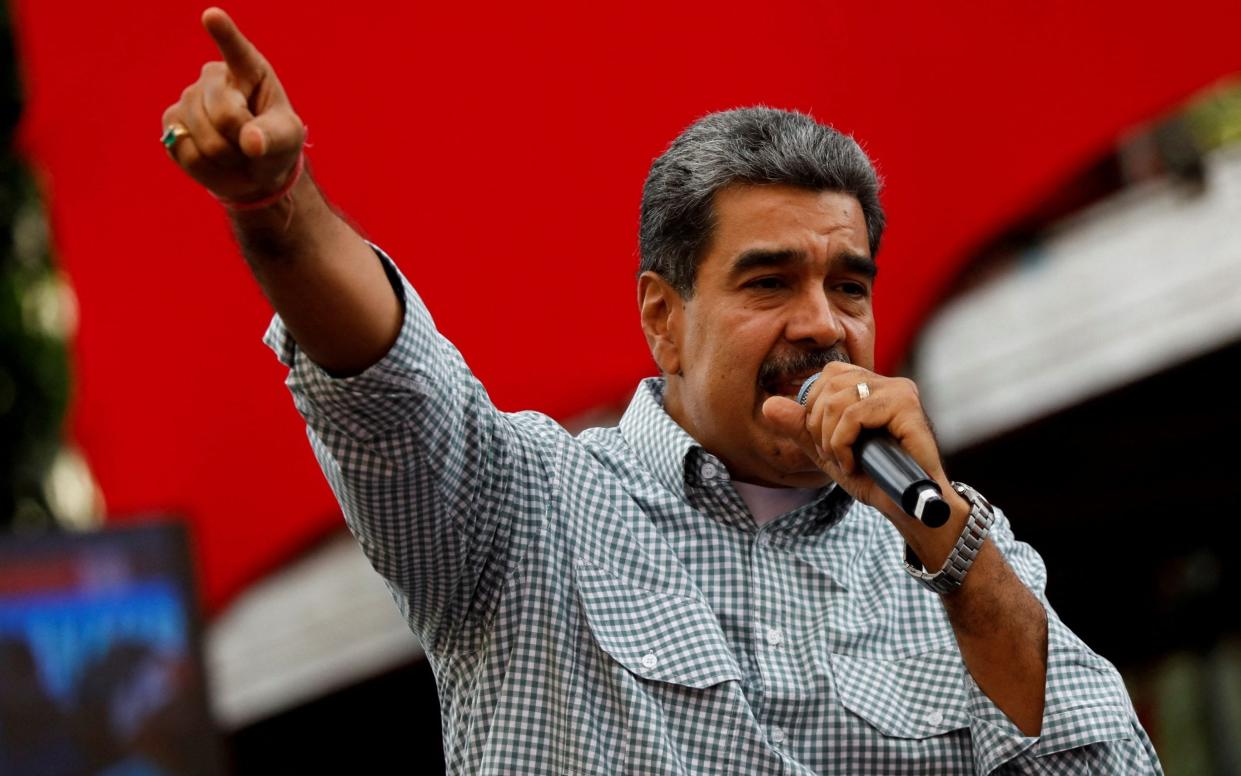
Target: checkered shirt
x=606, y=604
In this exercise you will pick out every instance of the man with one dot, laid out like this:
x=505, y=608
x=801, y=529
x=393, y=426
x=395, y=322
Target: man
x=715, y=586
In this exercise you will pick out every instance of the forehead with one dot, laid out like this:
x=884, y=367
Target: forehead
x=779, y=217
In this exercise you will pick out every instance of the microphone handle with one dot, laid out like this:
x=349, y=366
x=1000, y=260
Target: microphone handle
x=900, y=476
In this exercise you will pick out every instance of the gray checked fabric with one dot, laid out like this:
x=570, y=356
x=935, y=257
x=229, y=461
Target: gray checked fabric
x=605, y=604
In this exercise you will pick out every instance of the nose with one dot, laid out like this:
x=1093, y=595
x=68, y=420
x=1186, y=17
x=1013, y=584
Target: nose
x=813, y=321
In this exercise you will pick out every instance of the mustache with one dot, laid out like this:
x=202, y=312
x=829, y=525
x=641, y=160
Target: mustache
x=777, y=369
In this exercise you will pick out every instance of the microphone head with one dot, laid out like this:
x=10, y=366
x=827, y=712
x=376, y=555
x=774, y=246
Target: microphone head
x=804, y=392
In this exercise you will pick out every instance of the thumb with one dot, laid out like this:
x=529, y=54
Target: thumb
x=789, y=418
x=272, y=134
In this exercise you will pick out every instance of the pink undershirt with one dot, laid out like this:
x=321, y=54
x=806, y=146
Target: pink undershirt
x=766, y=504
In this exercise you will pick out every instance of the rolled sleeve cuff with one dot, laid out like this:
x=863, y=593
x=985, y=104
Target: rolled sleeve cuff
x=1085, y=703
x=384, y=393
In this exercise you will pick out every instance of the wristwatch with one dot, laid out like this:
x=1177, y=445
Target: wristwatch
x=958, y=562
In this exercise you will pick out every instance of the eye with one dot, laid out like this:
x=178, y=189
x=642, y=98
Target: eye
x=766, y=283
x=857, y=290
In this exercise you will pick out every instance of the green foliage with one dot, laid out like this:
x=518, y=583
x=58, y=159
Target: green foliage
x=34, y=366
x=1215, y=117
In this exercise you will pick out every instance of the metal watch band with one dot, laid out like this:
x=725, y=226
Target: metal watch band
x=958, y=562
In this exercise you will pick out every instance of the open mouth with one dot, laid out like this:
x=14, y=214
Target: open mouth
x=786, y=385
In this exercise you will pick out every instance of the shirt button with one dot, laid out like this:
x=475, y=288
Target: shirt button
x=764, y=540
x=709, y=471
x=935, y=717
x=777, y=735
x=775, y=637
x=649, y=661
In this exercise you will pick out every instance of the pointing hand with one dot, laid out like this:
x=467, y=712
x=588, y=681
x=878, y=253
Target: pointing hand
x=240, y=138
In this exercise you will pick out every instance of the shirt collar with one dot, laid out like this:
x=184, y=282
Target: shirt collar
x=662, y=445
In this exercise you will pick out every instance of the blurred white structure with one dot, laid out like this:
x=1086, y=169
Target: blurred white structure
x=317, y=625
x=1128, y=287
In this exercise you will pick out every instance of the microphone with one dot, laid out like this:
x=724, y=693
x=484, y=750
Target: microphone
x=897, y=473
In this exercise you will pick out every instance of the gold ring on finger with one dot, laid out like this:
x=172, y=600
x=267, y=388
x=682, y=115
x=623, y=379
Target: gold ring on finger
x=172, y=134
x=863, y=390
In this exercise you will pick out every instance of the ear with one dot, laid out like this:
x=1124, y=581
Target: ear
x=662, y=311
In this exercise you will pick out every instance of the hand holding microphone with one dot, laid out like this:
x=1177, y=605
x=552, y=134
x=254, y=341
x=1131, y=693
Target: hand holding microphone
x=892, y=468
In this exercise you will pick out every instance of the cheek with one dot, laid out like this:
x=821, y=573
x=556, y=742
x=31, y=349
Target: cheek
x=728, y=349
x=737, y=344
x=860, y=335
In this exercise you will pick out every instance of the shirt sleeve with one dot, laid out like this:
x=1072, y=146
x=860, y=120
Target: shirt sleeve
x=1089, y=723
x=432, y=479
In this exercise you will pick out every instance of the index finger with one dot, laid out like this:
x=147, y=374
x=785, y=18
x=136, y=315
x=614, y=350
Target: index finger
x=243, y=59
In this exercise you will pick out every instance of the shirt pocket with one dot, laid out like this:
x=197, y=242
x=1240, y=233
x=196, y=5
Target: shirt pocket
x=659, y=690
x=910, y=697
x=662, y=637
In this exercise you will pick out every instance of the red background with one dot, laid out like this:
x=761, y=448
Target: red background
x=497, y=151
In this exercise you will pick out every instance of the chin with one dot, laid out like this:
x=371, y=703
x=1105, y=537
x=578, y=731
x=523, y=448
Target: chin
x=791, y=468
x=813, y=478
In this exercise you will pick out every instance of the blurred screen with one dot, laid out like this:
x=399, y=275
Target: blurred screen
x=100, y=656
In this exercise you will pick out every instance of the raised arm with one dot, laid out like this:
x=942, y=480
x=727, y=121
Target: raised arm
x=418, y=457
x=235, y=132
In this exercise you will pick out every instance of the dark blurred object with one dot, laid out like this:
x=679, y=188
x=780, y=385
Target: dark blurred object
x=35, y=734
x=392, y=722
x=1137, y=536
x=100, y=656
x=34, y=366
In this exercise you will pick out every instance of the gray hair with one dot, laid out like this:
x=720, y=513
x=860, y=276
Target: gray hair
x=746, y=145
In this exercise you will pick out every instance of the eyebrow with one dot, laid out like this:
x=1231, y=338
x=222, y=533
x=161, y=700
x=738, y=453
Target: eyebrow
x=764, y=258
x=863, y=265
x=768, y=258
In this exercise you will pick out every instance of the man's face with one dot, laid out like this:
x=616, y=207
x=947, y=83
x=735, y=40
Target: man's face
x=785, y=286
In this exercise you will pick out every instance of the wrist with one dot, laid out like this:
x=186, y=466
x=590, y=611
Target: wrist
x=932, y=545
x=262, y=202
x=947, y=575
x=289, y=227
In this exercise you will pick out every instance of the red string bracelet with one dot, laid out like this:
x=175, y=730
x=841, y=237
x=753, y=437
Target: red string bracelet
x=273, y=198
